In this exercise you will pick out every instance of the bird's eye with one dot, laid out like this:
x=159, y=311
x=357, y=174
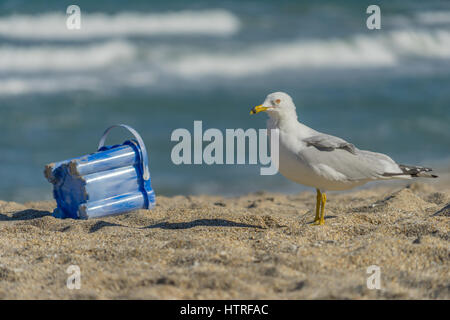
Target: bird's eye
x=277, y=101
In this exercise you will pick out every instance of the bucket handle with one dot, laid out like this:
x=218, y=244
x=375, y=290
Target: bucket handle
x=143, y=150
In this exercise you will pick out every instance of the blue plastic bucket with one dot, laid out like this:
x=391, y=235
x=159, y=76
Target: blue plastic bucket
x=111, y=181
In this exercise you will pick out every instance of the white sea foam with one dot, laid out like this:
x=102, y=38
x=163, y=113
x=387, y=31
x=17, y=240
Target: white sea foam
x=20, y=85
x=63, y=58
x=138, y=64
x=52, y=26
x=360, y=51
x=426, y=44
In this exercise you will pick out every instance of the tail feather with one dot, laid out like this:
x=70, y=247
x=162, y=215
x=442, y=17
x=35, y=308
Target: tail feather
x=413, y=171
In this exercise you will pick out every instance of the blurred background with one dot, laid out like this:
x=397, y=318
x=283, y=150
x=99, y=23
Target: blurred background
x=160, y=65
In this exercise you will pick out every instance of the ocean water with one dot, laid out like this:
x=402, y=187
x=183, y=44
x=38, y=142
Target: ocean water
x=159, y=66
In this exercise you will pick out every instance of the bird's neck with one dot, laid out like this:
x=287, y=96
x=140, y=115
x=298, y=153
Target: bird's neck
x=281, y=119
x=288, y=122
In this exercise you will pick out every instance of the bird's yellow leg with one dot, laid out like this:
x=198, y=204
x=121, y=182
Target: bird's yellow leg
x=322, y=211
x=318, y=203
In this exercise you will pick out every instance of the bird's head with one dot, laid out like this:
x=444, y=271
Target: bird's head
x=277, y=105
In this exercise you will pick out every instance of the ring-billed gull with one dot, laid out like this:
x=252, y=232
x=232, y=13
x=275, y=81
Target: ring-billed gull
x=323, y=161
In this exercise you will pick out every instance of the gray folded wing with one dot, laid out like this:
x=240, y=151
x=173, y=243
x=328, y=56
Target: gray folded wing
x=327, y=142
x=337, y=158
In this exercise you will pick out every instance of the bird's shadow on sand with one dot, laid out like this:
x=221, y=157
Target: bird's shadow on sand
x=201, y=222
x=28, y=214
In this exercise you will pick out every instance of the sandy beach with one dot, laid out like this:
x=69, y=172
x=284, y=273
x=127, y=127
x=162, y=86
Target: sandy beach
x=196, y=83
x=258, y=246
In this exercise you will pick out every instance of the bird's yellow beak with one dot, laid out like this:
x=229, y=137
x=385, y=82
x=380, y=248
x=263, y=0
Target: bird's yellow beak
x=258, y=109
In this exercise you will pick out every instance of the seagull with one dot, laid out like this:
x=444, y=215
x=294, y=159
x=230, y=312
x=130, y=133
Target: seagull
x=323, y=161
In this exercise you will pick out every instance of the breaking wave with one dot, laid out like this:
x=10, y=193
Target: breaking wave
x=360, y=51
x=56, y=58
x=52, y=26
x=134, y=63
